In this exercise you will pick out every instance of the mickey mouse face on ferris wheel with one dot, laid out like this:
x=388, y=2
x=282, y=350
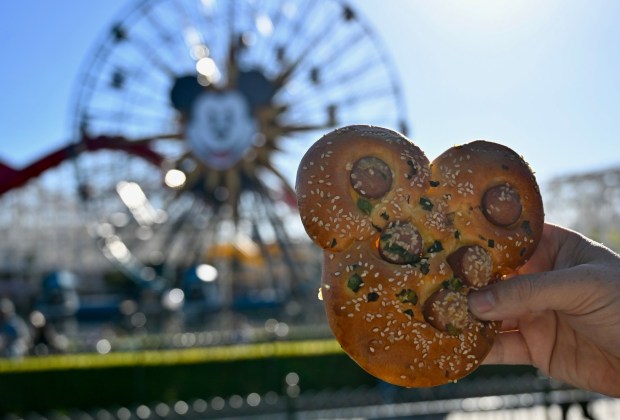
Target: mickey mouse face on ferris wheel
x=220, y=125
x=220, y=128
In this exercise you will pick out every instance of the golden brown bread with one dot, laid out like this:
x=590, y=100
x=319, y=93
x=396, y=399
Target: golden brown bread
x=405, y=240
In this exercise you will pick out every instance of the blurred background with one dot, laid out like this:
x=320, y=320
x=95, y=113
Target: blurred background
x=152, y=262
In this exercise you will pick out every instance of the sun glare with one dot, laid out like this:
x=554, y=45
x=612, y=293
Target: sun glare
x=493, y=12
x=486, y=15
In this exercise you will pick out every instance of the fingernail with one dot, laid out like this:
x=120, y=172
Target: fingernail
x=482, y=301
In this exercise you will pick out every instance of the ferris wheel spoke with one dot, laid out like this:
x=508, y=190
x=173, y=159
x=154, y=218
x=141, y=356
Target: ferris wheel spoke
x=181, y=247
x=142, y=94
x=175, y=234
x=321, y=35
x=362, y=94
x=167, y=35
x=350, y=77
x=343, y=72
x=335, y=82
x=143, y=48
x=266, y=254
x=121, y=143
x=287, y=191
x=285, y=130
x=337, y=79
x=105, y=114
x=266, y=25
x=193, y=37
x=166, y=56
x=137, y=101
x=210, y=236
x=118, y=80
x=266, y=242
x=341, y=76
x=294, y=26
x=369, y=93
x=339, y=56
x=319, y=110
x=284, y=242
x=201, y=241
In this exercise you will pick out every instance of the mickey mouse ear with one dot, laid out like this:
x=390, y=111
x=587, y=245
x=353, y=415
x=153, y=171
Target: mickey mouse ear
x=256, y=88
x=184, y=92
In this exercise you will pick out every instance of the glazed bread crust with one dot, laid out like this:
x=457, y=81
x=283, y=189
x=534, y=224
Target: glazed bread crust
x=404, y=242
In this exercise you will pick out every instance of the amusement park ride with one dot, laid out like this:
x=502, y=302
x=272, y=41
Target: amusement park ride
x=189, y=118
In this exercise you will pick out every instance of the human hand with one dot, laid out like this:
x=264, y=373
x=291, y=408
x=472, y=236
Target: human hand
x=561, y=312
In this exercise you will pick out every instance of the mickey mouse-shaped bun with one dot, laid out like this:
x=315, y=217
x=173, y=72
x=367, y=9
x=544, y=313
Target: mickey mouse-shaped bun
x=405, y=240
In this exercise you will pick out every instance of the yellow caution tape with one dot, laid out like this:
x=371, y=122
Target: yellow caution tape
x=171, y=357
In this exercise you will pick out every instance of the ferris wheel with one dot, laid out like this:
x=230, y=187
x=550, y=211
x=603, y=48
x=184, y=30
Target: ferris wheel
x=192, y=116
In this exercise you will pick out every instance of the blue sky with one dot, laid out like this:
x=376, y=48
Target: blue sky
x=540, y=77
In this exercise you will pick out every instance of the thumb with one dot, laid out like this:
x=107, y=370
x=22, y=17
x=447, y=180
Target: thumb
x=559, y=290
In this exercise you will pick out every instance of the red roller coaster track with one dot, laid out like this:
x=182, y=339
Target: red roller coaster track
x=11, y=178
